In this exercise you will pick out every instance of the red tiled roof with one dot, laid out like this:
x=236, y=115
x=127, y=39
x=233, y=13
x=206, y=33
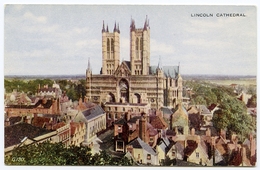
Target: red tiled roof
x=74, y=126
x=58, y=125
x=39, y=121
x=158, y=122
x=191, y=146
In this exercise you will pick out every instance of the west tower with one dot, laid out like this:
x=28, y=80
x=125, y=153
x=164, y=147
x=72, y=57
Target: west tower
x=140, y=48
x=110, y=49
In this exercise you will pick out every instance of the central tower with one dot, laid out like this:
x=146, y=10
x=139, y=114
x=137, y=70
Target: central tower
x=140, y=48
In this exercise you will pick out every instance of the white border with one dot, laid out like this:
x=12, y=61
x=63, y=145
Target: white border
x=111, y=2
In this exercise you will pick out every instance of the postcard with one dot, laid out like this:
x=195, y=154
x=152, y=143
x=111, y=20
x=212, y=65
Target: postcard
x=130, y=85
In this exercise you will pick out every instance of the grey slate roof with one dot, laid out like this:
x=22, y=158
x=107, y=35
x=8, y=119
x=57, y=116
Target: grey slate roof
x=128, y=63
x=93, y=112
x=138, y=143
x=15, y=133
x=169, y=71
x=166, y=110
x=203, y=109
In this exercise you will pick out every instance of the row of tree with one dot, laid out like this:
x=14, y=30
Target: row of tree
x=47, y=153
x=73, y=90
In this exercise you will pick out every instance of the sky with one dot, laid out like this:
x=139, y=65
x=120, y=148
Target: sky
x=59, y=39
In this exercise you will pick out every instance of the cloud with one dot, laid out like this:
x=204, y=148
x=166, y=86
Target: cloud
x=161, y=48
x=39, y=19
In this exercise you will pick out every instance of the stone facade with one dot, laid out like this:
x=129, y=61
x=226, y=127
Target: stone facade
x=133, y=81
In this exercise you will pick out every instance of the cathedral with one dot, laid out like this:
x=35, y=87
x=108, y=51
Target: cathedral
x=135, y=81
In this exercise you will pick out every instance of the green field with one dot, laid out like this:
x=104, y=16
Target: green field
x=244, y=82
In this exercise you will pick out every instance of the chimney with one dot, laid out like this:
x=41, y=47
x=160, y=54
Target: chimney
x=142, y=128
x=235, y=142
x=233, y=137
x=192, y=132
x=213, y=141
x=208, y=132
x=27, y=119
x=7, y=122
x=35, y=115
x=223, y=134
x=252, y=146
x=127, y=116
x=176, y=130
x=243, y=154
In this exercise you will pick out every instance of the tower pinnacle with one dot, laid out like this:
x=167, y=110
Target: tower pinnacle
x=103, y=28
x=89, y=67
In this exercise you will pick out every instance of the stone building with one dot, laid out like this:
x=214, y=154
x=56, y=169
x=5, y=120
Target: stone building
x=134, y=81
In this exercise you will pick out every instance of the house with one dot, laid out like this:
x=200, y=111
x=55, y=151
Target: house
x=63, y=133
x=244, y=97
x=94, y=118
x=165, y=149
x=180, y=120
x=196, y=152
x=116, y=111
x=41, y=105
x=145, y=127
x=77, y=132
x=167, y=112
x=142, y=152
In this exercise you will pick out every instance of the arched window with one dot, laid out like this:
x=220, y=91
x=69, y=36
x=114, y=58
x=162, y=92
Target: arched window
x=137, y=48
x=112, y=45
x=112, y=48
x=108, y=48
x=141, y=44
x=136, y=43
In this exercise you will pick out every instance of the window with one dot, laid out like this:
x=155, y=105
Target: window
x=123, y=109
x=151, y=139
x=197, y=154
x=173, y=152
x=116, y=116
x=119, y=128
x=148, y=156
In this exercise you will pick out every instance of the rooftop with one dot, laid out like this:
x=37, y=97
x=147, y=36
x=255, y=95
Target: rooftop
x=15, y=133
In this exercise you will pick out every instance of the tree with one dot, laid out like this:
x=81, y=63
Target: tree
x=232, y=116
x=47, y=153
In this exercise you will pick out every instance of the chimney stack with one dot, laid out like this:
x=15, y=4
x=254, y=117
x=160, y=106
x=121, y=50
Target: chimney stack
x=208, y=132
x=192, y=132
x=223, y=134
x=142, y=128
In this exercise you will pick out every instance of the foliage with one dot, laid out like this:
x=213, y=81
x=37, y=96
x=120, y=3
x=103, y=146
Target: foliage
x=74, y=90
x=232, y=115
x=168, y=162
x=26, y=86
x=47, y=153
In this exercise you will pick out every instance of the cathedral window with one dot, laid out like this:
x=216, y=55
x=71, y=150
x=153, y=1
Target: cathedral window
x=137, y=48
x=112, y=45
x=112, y=48
x=108, y=49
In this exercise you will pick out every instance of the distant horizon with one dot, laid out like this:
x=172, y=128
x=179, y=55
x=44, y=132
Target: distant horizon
x=222, y=75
